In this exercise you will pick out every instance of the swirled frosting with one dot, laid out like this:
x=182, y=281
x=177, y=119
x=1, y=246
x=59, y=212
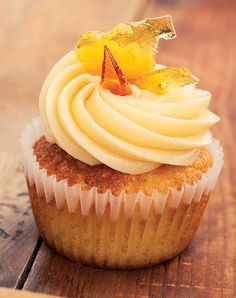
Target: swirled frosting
x=133, y=134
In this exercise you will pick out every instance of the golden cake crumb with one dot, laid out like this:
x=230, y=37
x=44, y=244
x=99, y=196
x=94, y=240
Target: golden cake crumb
x=56, y=161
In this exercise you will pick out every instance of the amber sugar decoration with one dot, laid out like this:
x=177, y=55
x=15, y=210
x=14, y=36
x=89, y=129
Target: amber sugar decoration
x=127, y=53
x=162, y=80
x=112, y=76
x=134, y=46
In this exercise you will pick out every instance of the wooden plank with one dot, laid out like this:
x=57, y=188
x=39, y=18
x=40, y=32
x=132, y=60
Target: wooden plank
x=33, y=35
x=207, y=267
x=18, y=234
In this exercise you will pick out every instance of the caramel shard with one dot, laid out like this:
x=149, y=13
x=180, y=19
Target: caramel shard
x=134, y=45
x=145, y=32
x=112, y=76
x=162, y=80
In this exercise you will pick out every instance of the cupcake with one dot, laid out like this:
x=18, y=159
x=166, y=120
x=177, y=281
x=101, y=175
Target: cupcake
x=121, y=163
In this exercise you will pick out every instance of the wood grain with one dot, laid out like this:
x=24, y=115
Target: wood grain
x=206, y=44
x=18, y=234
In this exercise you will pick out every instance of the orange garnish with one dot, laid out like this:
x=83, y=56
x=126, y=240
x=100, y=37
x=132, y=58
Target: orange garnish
x=112, y=76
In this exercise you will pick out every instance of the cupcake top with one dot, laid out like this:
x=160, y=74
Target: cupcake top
x=107, y=101
x=57, y=162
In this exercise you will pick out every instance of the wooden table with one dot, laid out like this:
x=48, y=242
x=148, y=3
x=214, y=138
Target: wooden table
x=33, y=35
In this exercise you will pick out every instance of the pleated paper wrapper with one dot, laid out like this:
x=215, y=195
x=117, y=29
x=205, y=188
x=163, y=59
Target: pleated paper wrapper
x=51, y=188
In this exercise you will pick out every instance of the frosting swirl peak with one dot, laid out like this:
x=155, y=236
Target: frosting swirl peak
x=132, y=134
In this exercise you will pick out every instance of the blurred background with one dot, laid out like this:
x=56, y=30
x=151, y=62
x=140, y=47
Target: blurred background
x=34, y=34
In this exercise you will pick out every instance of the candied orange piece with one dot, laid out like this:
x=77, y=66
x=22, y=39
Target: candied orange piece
x=134, y=45
x=162, y=80
x=112, y=76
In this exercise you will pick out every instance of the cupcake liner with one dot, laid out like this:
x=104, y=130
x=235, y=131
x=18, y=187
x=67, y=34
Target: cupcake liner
x=73, y=196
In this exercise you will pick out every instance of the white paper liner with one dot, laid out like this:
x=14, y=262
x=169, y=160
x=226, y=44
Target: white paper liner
x=51, y=189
